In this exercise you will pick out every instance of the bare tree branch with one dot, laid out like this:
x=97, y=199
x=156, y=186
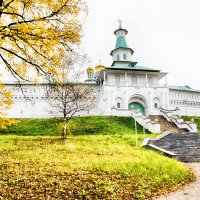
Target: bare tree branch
x=68, y=97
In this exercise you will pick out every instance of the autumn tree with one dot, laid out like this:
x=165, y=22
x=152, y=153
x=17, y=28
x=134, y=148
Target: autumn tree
x=34, y=36
x=70, y=95
x=35, y=33
x=5, y=104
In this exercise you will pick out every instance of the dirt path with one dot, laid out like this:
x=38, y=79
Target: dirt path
x=189, y=192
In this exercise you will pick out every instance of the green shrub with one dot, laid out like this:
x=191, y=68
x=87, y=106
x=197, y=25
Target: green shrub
x=195, y=118
x=34, y=127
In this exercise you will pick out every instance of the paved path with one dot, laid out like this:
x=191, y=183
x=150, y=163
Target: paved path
x=189, y=192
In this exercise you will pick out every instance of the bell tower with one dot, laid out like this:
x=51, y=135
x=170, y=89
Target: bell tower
x=121, y=52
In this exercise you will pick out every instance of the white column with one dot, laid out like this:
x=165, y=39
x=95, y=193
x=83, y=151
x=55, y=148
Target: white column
x=126, y=80
x=162, y=100
x=149, y=103
x=167, y=100
x=124, y=101
x=146, y=80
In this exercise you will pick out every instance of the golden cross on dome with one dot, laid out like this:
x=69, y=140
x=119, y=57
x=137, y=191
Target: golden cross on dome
x=120, y=21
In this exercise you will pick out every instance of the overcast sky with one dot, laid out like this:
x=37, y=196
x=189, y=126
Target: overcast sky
x=165, y=34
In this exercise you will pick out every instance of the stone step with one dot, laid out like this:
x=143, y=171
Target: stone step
x=165, y=125
x=186, y=146
x=188, y=158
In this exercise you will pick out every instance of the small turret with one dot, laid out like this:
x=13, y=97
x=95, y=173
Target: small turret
x=90, y=73
x=99, y=68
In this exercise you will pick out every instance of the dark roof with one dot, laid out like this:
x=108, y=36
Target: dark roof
x=120, y=29
x=129, y=65
x=133, y=69
x=111, y=53
x=121, y=63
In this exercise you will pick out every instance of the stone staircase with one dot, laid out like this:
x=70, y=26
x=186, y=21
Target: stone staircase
x=183, y=146
x=145, y=121
x=171, y=116
x=165, y=125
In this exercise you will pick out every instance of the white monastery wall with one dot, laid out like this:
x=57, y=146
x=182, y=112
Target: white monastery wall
x=187, y=102
x=33, y=103
x=30, y=101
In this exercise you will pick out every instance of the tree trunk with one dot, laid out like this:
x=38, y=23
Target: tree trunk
x=65, y=128
x=1, y=4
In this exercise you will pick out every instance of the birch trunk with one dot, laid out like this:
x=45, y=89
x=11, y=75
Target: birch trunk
x=65, y=128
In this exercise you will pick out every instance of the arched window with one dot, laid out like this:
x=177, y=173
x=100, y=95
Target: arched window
x=118, y=105
x=156, y=103
x=119, y=102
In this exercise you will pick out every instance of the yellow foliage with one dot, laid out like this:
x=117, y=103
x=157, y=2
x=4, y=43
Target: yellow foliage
x=5, y=103
x=5, y=122
x=5, y=99
x=34, y=37
x=34, y=34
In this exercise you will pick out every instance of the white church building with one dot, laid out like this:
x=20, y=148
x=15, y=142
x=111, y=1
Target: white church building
x=126, y=84
x=119, y=88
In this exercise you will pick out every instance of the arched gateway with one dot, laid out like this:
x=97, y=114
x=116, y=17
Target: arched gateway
x=138, y=106
x=139, y=102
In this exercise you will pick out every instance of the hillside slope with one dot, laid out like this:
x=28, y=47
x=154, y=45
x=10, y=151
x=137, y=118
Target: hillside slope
x=83, y=126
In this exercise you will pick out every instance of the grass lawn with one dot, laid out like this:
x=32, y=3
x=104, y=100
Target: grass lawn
x=100, y=161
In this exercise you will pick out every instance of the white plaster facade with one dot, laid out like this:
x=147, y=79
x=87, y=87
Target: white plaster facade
x=31, y=101
x=118, y=87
